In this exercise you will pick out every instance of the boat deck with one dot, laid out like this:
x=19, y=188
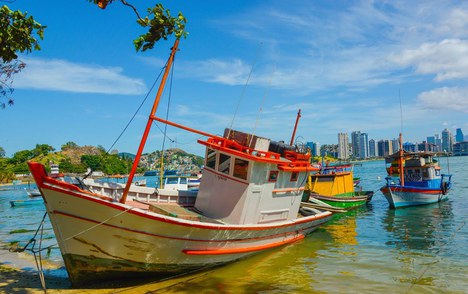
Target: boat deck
x=189, y=212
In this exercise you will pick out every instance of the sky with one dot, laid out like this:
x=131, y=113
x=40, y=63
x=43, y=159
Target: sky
x=250, y=65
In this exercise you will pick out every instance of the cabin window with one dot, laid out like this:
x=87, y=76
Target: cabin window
x=425, y=173
x=437, y=172
x=183, y=181
x=211, y=158
x=224, y=163
x=241, y=168
x=171, y=181
x=273, y=177
x=294, y=176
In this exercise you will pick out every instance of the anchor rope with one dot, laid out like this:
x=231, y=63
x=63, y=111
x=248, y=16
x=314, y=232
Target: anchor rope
x=37, y=253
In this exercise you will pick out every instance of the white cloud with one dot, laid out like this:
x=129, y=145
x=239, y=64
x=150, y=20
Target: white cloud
x=446, y=59
x=62, y=75
x=445, y=98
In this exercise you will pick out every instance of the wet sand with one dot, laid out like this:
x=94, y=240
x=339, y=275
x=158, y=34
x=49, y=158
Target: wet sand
x=19, y=274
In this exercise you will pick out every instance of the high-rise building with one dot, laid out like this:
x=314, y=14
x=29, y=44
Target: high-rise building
x=360, y=144
x=343, y=143
x=407, y=146
x=363, y=146
x=384, y=148
x=459, y=135
x=372, y=148
x=314, y=148
x=447, y=141
x=395, y=146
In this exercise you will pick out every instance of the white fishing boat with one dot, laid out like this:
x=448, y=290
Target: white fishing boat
x=248, y=201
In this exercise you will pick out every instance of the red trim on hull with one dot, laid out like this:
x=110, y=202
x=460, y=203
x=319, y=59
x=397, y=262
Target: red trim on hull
x=285, y=234
x=241, y=250
x=410, y=190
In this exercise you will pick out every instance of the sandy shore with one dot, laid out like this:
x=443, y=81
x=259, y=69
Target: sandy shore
x=18, y=274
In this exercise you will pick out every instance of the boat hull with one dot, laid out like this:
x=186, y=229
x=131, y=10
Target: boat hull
x=347, y=201
x=100, y=239
x=400, y=196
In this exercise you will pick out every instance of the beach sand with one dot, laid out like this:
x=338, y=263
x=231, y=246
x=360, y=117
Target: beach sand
x=19, y=274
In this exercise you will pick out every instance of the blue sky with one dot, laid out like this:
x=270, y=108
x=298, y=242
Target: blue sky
x=343, y=63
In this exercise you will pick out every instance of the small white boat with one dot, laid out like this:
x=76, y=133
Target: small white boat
x=32, y=193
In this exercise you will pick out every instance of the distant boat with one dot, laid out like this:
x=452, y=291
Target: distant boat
x=421, y=181
x=334, y=185
x=32, y=193
x=28, y=202
x=248, y=202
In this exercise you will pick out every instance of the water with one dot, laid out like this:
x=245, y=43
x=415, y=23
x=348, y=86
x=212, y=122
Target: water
x=372, y=249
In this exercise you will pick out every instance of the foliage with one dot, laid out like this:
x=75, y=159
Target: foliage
x=159, y=22
x=42, y=149
x=18, y=33
x=69, y=145
x=67, y=166
x=2, y=152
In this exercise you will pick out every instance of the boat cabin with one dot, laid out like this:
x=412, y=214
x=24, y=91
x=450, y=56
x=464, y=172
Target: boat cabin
x=422, y=171
x=244, y=182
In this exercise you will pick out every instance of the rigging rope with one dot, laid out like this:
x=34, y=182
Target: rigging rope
x=138, y=109
x=267, y=91
x=243, y=90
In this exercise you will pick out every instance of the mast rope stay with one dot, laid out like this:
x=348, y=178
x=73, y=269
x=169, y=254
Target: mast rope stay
x=243, y=90
x=138, y=109
x=161, y=173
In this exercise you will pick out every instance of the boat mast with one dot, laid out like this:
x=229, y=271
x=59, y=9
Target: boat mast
x=295, y=127
x=149, y=123
x=400, y=162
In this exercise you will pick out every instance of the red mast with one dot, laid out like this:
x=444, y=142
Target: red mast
x=400, y=163
x=149, y=123
x=295, y=126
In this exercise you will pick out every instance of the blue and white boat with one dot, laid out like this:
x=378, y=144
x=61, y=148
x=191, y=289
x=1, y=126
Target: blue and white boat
x=420, y=182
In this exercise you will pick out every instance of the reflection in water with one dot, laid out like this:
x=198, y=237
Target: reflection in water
x=372, y=249
x=418, y=227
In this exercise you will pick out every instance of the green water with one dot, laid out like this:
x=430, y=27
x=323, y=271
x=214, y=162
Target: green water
x=373, y=249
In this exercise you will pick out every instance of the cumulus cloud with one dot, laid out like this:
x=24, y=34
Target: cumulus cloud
x=62, y=75
x=455, y=98
x=446, y=59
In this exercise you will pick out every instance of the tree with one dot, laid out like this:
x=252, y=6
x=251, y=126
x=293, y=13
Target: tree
x=42, y=149
x=69, y=145
x=20, y=32
x=2, y=152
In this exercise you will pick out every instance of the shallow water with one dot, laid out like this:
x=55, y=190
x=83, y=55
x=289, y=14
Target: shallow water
x=372, y=249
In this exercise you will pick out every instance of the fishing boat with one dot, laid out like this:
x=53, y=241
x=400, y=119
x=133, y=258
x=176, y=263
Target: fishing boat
x=32, y=193
x=248, y=201
x=334, y=185
x=421, y=181
x=27, y=202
